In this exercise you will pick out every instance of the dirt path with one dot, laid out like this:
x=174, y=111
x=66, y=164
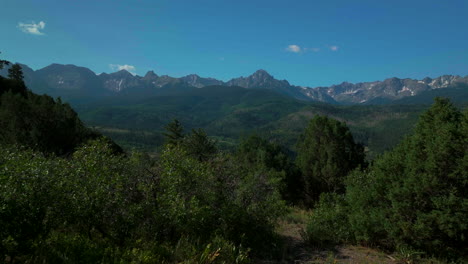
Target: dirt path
x=297, y=251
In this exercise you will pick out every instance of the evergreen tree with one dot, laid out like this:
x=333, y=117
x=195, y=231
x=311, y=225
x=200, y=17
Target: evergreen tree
x=196, y=144
x=16, y=73
x=199, y=145
x=175, y=133
x=15, y=81
x=326, y=154
x=3, y=63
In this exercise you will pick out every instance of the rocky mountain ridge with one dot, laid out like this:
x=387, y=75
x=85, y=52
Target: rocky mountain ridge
x=57, y=79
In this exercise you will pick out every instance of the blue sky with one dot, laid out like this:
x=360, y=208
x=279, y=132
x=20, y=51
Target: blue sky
x=309, y=43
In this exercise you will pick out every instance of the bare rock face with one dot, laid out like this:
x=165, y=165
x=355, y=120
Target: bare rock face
x=120, y=81
x=261, y=79
x=199, y=82
x=389, y=89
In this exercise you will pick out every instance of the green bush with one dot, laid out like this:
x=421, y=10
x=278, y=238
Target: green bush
x=328, y=223
x=97, y=206
x=257, y=153
x=415, y=196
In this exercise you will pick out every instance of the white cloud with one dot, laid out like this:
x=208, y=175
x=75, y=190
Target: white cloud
x=32, y=28
x=314, y=49
x=334, y=48
x=293, y=48
x=117, y=67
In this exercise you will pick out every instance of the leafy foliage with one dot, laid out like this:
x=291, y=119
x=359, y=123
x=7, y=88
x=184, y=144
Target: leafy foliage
x=196, y=144
x=414, y=196
x=329, y=221
x=97, y=206
x=257, y=153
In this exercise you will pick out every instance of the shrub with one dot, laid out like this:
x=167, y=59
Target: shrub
x=97, y=206
x=415, y=196
x=328, y=223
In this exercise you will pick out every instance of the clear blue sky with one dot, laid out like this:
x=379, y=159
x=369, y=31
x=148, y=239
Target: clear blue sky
x=309, y=43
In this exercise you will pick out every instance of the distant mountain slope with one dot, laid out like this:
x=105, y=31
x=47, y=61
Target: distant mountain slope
x=389, y=89
x=457, y=93
x=68, y=79
x=262, y=79
x=230, y=112
x=199, y=82
x=195, y=108
x=73, y=82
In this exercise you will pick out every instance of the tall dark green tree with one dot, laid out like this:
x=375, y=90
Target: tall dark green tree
x=196, y=144
x=175, y=133
x=326, y=154
x=199, y=145
x=15, y=72
x=3, y=63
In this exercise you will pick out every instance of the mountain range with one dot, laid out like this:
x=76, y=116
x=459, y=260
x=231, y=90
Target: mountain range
x=70, y=81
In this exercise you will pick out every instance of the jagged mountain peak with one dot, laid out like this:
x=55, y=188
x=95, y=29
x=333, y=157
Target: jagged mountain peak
x=199, y=82
x=262, y=74
x=122, y=74
x=151, y=74
x=193, y=75
x=427, y=80
x=392, y=81
x=190, y=78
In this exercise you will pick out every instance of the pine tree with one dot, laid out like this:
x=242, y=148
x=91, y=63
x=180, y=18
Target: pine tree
x=175, y=133
x=3, y=63
x=199, y=145
x=16, y=73
x=326, y=154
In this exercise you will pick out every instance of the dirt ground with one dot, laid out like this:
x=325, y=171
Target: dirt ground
x=296, y=251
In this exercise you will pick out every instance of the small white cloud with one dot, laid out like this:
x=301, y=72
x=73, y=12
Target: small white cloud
x=315, y=49
x=293, y=48
x=32, y=28
x=334, y=48
x=117, y=67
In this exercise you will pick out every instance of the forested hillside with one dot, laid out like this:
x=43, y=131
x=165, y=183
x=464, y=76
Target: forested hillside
x=230, y=113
